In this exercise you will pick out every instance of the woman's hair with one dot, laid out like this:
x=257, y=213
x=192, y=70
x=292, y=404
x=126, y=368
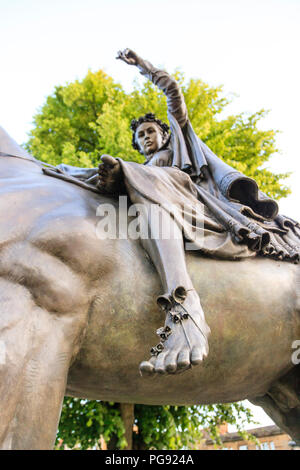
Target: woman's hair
x=149, y=117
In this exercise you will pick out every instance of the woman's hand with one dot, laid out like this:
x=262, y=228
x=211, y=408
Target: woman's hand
x=128, y=56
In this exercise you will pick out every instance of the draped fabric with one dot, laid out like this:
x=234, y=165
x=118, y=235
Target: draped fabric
x=229, y=183
x=216, y=228
x=174, y=192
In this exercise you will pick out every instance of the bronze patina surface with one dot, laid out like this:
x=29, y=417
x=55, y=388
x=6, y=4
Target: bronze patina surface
x=234, y=220
x=78, y=312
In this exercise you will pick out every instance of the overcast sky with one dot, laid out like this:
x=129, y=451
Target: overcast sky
x=251, y=47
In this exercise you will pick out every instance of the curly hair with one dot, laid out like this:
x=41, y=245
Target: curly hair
x=149, y=117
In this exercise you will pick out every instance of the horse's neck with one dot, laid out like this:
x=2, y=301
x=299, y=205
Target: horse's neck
x=9, y=146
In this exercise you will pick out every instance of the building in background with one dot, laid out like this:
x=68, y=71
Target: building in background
x=269, y=437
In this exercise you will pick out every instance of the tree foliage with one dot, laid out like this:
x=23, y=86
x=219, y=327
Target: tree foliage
x=156, y=427
x=82, y=423
x=180, y=427
x=87, y=118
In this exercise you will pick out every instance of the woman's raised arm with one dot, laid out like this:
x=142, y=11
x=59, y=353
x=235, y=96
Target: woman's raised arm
x=160, y=78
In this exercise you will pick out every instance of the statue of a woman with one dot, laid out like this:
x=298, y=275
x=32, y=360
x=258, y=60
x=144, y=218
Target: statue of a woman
x=229, y=217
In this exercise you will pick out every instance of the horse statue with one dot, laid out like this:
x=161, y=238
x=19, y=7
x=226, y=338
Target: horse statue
x=77, y=314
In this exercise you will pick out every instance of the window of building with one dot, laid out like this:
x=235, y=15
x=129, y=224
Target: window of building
x=243, y=448
x=266, y=446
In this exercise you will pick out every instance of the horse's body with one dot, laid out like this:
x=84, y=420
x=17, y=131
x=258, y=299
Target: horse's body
x=78, y=315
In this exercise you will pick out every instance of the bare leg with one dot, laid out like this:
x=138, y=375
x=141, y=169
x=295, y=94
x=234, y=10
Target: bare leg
x=184, y=343
x=184, y=336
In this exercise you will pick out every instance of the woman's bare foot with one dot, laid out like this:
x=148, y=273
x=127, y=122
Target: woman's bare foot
x=184, y=339
x=109, y=174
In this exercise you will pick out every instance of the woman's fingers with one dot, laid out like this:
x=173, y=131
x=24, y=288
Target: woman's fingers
x=121, y=55
x=128, y=56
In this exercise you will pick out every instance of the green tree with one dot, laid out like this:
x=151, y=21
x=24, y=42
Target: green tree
x=156, y=427
x=87, y=118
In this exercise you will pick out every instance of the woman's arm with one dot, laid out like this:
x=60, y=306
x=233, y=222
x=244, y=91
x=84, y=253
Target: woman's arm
x=160, y=78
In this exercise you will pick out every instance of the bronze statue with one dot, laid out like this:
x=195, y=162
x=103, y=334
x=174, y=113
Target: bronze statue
x=71, y=321
x=236, y=219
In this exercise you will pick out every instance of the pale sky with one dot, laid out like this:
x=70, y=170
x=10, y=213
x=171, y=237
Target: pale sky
x=251, y=47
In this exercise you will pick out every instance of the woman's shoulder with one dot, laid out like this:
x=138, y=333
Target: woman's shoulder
x=161, y=158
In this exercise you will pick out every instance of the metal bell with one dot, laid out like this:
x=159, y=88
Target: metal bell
x=175, y=317
x=164, y=332
x=160, y=331
x=184, y=315
x=156, y=349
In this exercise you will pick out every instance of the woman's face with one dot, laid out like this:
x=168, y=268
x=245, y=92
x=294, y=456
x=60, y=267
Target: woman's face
x=149, y=137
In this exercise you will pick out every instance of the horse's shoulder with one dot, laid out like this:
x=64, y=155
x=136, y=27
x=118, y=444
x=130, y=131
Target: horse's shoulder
x=49, y=228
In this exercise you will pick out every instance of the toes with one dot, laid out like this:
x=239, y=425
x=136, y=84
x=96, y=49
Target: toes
x=197, y=356
x=171, y=362
x=183, y=359
x=160, y=363
x=147, y=367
